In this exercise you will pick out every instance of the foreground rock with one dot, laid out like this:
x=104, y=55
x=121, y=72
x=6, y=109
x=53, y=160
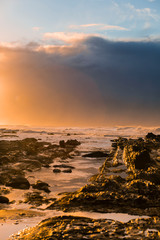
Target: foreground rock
x=78, y=228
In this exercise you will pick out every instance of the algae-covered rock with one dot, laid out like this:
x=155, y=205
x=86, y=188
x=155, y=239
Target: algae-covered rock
x=108, y=191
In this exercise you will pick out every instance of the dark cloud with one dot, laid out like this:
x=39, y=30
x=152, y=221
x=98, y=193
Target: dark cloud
x=93, y=82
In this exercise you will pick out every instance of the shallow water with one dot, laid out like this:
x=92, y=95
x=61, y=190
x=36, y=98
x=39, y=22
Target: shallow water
x=7, y=229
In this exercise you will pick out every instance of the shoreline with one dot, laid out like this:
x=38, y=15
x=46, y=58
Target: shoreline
x=114, y=186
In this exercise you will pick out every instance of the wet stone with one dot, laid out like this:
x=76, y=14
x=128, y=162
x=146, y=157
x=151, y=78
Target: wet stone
x=18, y=182
x=56, y=170
x=67, y=170
x=41, y=186
x=4, y=199
x=97, y=154
x=63, y=166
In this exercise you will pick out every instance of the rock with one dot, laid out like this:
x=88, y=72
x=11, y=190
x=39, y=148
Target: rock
x=18, y=182
x=46, y=166
x=69, y=143
x=137, y=193
x=136, y=158
x=73, y=143
x=62, y=144
x=78, y=228
x=36, y=198
x=142, y=160
x=29, y=165
x=151, y=174
x=4, y=190
x=50, y=133
x=63, y=166
x=56, y=170
x=4, y=199
x=153, y=136
x=41, y=186
x=97, y=154
x=67, y=170
x=4, y=160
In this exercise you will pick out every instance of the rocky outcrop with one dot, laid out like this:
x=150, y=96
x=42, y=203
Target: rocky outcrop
x=78, y=228
x=128, y=181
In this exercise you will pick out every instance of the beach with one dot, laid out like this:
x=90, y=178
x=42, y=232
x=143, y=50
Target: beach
x=53, y=165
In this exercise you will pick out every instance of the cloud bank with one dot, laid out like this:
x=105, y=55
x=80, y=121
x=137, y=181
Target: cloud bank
x=90, y=82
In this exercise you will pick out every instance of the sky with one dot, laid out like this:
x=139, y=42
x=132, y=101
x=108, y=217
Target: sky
x=80, y=63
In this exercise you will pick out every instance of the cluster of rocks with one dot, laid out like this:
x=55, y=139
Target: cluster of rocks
x=29, y=155
x=65, y=168
x=128, y=181
x=70, y=227
x=36, y=198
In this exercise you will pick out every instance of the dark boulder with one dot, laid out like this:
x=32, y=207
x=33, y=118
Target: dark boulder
x=152, y=136
x=73, y=143
x=136, y=158
x=41, y=186
x=56, y=170
x=4, y=199
x=18, y=182
x=142, y=160
x=67, y=170
x=97, y=154
x=63, y=166
x=69, y=143
x=62, y=144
